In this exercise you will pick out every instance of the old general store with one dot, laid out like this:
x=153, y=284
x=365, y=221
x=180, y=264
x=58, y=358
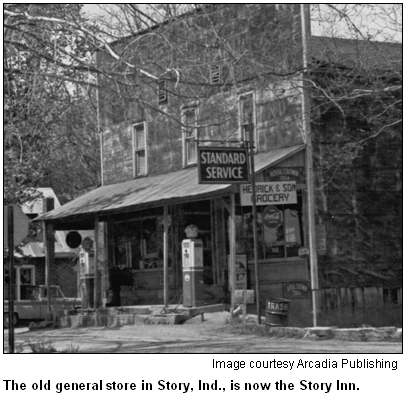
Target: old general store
x=151, y=195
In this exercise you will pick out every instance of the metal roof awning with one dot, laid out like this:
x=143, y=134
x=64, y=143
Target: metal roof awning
x=151, y=191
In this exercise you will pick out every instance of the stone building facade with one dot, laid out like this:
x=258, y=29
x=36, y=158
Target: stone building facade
x=229, y=70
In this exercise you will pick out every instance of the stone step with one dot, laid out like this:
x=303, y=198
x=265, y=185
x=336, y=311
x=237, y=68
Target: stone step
x=115, y=320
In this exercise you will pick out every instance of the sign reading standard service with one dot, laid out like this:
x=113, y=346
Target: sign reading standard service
x=222, y=165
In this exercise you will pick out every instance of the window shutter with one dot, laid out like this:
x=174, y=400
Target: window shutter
x=141, y=165
x=247, y=107
x=215, y=74
x=191, y=151
x=162, y=91
x=190, y=121
x=139, y=138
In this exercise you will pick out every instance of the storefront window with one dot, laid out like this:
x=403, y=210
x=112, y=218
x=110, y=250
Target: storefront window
x=136, y=244
x=279, y=231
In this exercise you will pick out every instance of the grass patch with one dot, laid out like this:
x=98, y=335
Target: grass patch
x=42, y=347
x=70, y=350
x=46, y=347
x=236, y=326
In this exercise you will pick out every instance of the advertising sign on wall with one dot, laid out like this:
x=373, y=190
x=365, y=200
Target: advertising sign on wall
x=296, y=290
x=272, y=217
x=285, y=174
x=269, y=193
x=241, y=272
x=222, y=165
x=244, y=296
x=295, y=174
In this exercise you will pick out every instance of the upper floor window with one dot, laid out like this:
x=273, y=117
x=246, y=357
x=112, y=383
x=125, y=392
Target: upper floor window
x=139, y=150
x=247, y=113
x=162, y=91
x=215, y=73
x=189, y=119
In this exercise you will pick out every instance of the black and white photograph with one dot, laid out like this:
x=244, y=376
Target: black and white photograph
x=215, y=187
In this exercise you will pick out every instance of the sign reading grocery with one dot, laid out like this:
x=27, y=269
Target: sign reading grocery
x=269, y=193
x=222, y=165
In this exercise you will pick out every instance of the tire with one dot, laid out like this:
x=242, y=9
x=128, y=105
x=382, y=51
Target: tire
x=6, y=317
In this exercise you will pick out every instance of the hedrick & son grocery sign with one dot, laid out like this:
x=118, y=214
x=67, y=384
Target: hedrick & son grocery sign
x=269, y=193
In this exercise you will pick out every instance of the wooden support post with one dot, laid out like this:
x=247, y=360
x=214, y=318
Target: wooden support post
x=165, y=244
x=49, y=251
x=305, y=15
x=110, y=254
x=10, y=242
x=244, y=313
x=105, y=269
x=232, y=251
x=96, y=263
x=213, y=241
x=219, y=245
x=254, y=218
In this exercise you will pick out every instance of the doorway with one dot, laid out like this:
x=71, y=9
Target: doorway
x=25, y=278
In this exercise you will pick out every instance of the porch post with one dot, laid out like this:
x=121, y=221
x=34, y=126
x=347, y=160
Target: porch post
x=10, y=239
x=96, y=262
x=165, y=245
x=305, y=15
x=49, y=249
x=254, y=218
x=232, y=251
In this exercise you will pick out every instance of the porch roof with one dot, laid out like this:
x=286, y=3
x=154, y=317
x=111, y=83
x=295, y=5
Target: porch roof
x=151, y=191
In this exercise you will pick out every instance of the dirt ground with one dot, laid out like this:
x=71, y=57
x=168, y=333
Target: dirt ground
x=213, y=335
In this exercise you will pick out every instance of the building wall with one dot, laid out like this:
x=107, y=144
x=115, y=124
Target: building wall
x=358, y=201
x=359, y=222
x=359, y=209
x=268, y=33
x=271, y=36
x=356, y=306
x=64, y=275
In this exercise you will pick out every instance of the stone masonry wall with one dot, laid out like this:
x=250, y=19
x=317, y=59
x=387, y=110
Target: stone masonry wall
x=267, y=38
x=359, y=211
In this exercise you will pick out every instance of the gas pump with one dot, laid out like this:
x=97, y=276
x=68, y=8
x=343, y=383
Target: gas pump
x=192, y=264
x=86, y=265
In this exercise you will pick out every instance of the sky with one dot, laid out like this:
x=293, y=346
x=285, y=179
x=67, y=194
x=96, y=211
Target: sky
x=373, y=20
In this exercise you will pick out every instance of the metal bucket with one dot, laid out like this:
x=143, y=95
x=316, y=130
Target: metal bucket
x=277, y=312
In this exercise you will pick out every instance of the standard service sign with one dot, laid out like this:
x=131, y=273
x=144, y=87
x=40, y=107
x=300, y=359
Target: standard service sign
x=222, y=165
